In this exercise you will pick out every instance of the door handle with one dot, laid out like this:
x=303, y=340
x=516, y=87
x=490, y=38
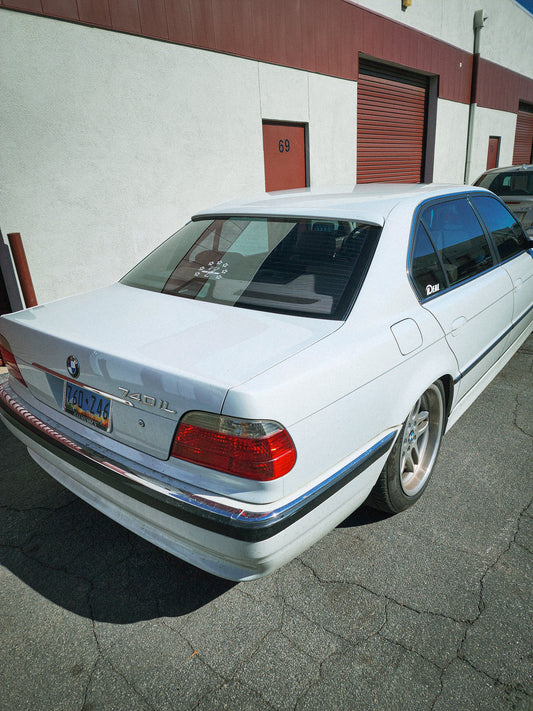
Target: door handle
x=518, y=284
x=458, y=324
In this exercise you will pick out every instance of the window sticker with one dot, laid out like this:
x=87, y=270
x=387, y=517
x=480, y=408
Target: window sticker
x=432, y=289
x=214, y=269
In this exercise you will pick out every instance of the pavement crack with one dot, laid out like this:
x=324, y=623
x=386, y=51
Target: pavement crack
x=517, y=406
x=495, y=680
x=383, y=596
x=102, y=656
x=194, y=651
x=481, y=602
x=90, y=679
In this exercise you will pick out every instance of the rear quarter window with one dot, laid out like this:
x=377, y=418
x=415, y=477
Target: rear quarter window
x=428, y=275
x=458, y=239
x=449, y=247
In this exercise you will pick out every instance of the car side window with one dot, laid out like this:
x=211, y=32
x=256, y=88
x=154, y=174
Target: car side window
x=458, y=238
x=506, y=231
x=426, y=270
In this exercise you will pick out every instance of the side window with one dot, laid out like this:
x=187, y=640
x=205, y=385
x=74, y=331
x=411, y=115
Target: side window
x=426, y=269
x=502, y=224
x=459, y=239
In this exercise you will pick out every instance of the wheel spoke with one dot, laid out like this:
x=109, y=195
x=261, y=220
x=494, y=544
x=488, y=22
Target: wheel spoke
x=422, y=422
x=409, y=459
x=414, y=412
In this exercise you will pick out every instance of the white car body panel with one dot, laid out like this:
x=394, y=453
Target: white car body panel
x=473, y=318
x=519, y=271
x=341, y=388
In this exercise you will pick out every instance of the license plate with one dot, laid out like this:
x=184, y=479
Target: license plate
x=88, y=406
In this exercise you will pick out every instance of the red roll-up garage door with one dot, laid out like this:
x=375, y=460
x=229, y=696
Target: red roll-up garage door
x=523, y=139
x=391, y=124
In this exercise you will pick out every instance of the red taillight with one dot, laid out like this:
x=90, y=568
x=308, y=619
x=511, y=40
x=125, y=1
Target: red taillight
x=253, y=449
x=9, y=360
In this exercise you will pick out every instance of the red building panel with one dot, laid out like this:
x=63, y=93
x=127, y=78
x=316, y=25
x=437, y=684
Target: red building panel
x=95, y=12
x=153, y=17
x=179, y=22
x=65, y=9
x=203, y=23
x=501, y=88
x=125, y=16
x=25, y=5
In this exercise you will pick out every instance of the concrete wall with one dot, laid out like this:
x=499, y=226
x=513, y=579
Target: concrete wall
x=450, y=142
x=491, y=123
x=451, y=138
x=110, y=142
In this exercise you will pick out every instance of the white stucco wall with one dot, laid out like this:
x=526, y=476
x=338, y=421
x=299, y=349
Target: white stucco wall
x=506, y=39
x=450, y=142
x=451, y=139
x=489, y=122
x=110, y=142
x=332, y=139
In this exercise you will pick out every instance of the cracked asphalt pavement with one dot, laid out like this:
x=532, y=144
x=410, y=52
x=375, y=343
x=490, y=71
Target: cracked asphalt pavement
x=427, y=610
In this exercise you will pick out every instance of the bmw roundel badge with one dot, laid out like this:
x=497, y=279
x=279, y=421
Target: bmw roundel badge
x=73, y=366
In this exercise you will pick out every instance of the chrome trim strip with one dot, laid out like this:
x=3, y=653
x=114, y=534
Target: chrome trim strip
x=249, y=523
x=493, y=345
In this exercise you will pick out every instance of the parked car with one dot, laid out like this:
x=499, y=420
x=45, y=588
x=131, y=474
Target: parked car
x=515, y=187
x=272, y=365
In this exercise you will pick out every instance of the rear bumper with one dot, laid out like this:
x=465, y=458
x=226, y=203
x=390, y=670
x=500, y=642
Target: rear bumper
x=227, y=537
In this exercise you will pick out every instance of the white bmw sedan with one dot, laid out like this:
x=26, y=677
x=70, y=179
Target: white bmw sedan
x=273, y=365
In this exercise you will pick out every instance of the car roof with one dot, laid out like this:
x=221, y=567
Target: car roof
x=370, y=202
x=510, y=169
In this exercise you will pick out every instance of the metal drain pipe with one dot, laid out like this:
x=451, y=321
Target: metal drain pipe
x=479, y=23
x=23, y=271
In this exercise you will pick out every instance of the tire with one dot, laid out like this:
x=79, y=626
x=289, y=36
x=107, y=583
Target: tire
x=410, y=464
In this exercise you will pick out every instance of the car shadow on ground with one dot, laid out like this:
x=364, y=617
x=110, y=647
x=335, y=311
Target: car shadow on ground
x=77, y=558
x=364, y=516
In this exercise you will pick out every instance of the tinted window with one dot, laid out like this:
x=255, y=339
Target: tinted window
x=504, y=227
x=426, y=269
x=458, y=238
x=301, y=266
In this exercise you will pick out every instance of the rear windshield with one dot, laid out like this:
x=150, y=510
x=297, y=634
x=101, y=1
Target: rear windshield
x=305, y=267
x=513, y=183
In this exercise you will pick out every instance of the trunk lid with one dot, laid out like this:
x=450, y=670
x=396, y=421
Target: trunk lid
x=165, y=355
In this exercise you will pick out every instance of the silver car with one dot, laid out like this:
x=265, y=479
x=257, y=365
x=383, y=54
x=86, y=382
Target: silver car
x=515, y=187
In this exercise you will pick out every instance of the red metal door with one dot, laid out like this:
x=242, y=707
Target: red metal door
x=391, y=124
x=284, y=150
x=523, y=141
x=494, y=152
